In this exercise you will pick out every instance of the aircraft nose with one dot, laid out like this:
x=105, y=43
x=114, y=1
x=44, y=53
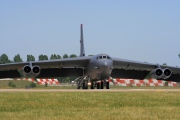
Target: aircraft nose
x=105, y=65
x=104, y=69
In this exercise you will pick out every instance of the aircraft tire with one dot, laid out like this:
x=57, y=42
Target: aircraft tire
x=102, y=85
x=107, y=85
x=92, y=85
x=98, y=85
x=84, y=85
x=78, y=87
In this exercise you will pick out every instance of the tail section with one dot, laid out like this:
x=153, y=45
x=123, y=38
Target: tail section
x=82, y=50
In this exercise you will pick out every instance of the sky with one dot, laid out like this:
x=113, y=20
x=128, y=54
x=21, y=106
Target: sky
x=139, y=30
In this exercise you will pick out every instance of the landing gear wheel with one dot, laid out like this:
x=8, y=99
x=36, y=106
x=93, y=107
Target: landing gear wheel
x=92, y=85
x=85, y=85
x=78, y=85
x=102, y=85
x=98, y=85
x=107, y=85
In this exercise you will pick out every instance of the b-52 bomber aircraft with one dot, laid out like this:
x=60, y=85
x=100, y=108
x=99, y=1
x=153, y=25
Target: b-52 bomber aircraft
x=90, y=69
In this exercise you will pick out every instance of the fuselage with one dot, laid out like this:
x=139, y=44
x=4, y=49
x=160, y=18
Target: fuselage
x=99, y=67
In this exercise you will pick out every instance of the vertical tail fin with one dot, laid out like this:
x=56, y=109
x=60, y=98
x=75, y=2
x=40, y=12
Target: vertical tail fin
x=82, y=50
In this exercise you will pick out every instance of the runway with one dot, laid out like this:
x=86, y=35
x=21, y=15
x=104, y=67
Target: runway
x=90, y=90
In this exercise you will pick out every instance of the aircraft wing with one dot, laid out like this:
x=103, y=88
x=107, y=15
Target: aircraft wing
x=139, y=70
x=49, y=68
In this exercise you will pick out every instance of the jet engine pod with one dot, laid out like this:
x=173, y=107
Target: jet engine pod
x=157, y=73
x=26, y=69
x=166, y=73
x=36, y=70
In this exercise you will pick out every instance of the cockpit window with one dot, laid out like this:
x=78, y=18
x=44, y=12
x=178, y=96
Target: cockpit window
x=103, y=57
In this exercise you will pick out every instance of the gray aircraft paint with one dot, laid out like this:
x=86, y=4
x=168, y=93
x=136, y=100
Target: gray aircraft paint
x=99, y=68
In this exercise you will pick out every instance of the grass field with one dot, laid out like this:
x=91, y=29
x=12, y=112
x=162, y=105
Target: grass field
x=89, y=105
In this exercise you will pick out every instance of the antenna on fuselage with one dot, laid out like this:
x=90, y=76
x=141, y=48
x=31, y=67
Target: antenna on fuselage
x=82, y=50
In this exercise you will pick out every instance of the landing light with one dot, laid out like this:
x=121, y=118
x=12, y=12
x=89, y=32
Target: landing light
x=89, y=83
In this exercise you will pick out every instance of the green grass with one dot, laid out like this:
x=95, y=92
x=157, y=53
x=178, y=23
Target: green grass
x=19, y=84
x=89, y=105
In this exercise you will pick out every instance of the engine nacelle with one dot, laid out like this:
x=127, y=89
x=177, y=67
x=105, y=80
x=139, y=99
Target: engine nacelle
x=157, y=73
x=27, y=69
x=36, y=70
x=166, y=73
x=31, y=71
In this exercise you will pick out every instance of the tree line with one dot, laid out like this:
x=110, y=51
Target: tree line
x=17, y=58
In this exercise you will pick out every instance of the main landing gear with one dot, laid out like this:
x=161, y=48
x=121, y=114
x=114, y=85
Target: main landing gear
x=85, y=83
x=82, y=82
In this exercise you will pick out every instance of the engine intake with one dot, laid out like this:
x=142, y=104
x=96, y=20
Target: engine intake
x=166, y=73
x=36, y=70
x=27, y=69
x=157, y=73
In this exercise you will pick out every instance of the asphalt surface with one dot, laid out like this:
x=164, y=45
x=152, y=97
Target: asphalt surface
x=89, y=90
